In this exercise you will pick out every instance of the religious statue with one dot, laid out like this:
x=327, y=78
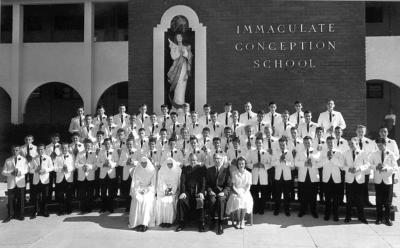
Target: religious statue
x=180, y=70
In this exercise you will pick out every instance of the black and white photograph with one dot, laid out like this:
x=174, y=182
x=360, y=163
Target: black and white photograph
x=187, y=123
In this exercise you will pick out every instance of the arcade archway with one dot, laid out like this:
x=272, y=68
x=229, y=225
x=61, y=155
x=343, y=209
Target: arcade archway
x=114, y=96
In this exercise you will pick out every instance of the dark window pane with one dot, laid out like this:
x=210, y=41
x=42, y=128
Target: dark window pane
x=6, y=24
x=374, y=14
x=375, y=90
x=111, y=21
x=54, y=23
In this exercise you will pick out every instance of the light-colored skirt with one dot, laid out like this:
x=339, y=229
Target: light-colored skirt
x=166, y=209
x=236, y=202
x=142, y=210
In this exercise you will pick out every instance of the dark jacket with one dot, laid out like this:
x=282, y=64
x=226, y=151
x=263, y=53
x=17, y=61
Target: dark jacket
x=193, y=180
x=218, y=182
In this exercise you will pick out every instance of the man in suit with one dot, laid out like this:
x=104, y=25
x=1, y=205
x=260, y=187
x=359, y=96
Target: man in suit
x=248, y=117
x=330, y=119
x=384, y=164
x=15, y=169
x=78, y=121
x=192, y=189
x=297, y=117
x=356, y=163
x=218, y=188
x=41, y=167
x=331, y=163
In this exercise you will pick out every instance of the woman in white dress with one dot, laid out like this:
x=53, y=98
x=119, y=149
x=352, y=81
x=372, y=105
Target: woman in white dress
x=179, y=72
x=167, y=188
x=240, y=201
x=141, y=214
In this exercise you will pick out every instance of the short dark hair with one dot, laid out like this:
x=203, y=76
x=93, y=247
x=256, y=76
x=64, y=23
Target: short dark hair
x=380, y=141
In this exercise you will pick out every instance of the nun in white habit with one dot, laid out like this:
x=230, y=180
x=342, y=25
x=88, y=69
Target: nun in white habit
x=141, y=214
x=167, y=188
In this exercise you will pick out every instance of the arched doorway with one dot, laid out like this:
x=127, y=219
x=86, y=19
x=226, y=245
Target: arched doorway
x=114, y=96
x=52, y=103
x=5, y=121
x=382, y=99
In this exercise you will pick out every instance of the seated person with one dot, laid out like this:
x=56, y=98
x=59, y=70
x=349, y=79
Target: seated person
x=192, y=188
x=240, y=201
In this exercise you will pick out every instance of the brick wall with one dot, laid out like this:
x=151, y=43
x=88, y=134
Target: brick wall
x=339, y=75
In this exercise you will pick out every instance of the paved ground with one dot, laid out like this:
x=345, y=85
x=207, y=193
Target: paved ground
x=95, y=230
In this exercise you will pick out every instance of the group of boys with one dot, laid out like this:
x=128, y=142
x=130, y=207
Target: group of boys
x=278, y=148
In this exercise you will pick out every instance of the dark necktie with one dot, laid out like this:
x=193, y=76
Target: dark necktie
x=152, y=129
x=284, y=125
x=236, y=153
x=248, y=116
x=65, y=157
x=151, y=154
x=122, y=119
x=354, y=155
x=165, y=120
x=295, y=143
x=185, y=118
x=269, y=143
x=319, y=141
x=87, y=155
x=142, y=119
x=298, y=118
x=40, y=162
x=259, y=126
x=205, y=141
x=172, y=154
x=338, y=142
x=259, y=157
x=173, y=128
x=206, y=119
x=80, y=121
x=184, y=144
x=272, y=119
x=330, y=116
x=383, y=156
x=28, y=151
x=120, y=144
x=226, y=119
x=15, y=161
x=360, y=144
x=214, y=127
x=87, y=128
x=308, y=127
x=308, y=153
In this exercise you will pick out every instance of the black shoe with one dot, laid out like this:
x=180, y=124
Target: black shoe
x=211, y=225
x=102, y=210
x=111, y=210
x=33, y=216
x=364, y=221
x=126, y=210
x=46, y=215
x=162, y=225
x=378, y=221
x=179, y=228
x=220, y=230
x=7, y=219
x=276, y=212
x=326, y=217
x=335, y=218
x=347, y=220
x=144, y=228
x=59, y=213
x=68, y=211
x=314, y=215
x=388, y=222
x=202, y=228
x=168, y=225
x=287, y=213
x=301, y=214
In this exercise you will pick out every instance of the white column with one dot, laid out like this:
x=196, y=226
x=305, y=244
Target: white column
x=88, y=96
x=16, y=67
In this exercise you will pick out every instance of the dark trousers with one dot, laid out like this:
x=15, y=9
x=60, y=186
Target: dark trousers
x=97, y=187
x=342, y=186
x=118, y=176
x=52, y=182
x=16, y=201
x=365, y=192
x=188, y=207
x=355, y=198
x=292, y=187
x=270, y=187
x=40, y=197
x=321, y=192
x=285, y=187
x=29, y=180
x=308, y=195
x=75, y=186
x=125, y=191
x=64, y=195
x=384, y=195
x=259, y=194
x=332, y=194
x=108, y=192
x=216, y=204
x=85, y=195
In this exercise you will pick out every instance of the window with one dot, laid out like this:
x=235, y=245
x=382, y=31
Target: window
x=6, y=24
x=375, y=90
x=54, y=23
x=374, y=14
x=111, y=21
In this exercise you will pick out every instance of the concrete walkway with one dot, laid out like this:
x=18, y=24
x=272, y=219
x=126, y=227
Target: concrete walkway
x=95, y=230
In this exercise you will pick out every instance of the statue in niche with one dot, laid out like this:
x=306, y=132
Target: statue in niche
x=181, y=68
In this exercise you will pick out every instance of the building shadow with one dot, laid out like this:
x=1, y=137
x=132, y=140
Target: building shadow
x=103, y=220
